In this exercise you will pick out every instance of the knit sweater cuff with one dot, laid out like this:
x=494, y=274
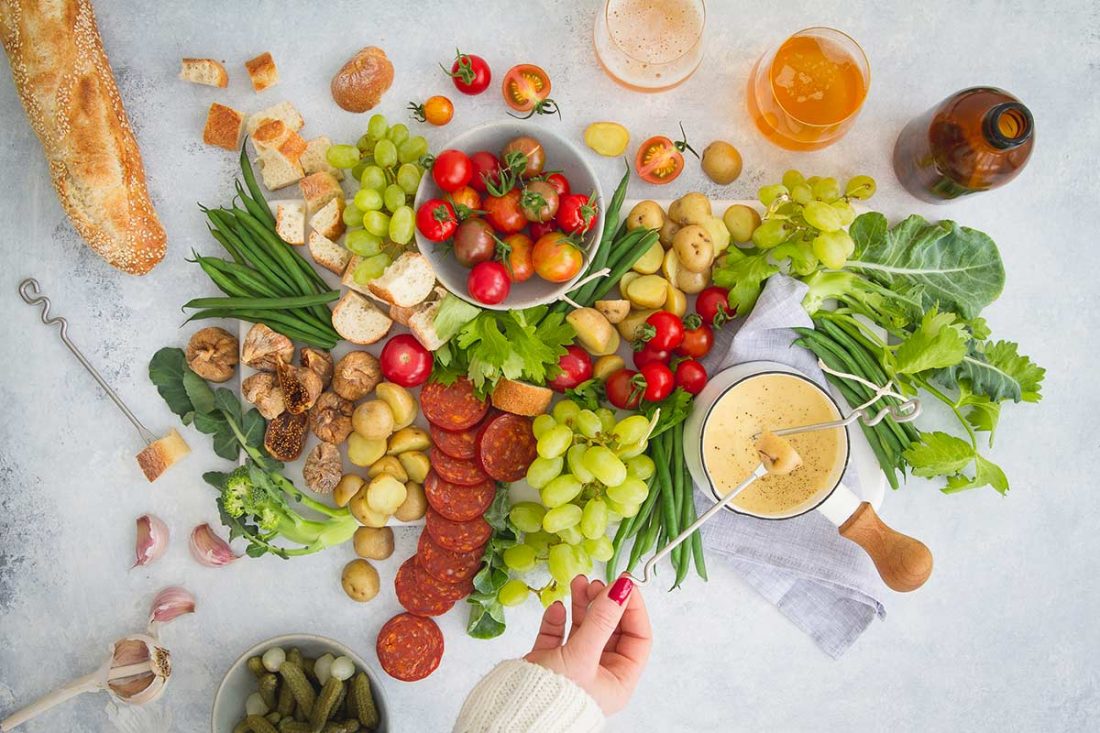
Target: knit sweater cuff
x=520, y=696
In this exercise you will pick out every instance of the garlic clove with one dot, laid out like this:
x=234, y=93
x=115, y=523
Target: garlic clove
x=139, y=669
x=152, y=540
x=171, y=603
x=210, y=549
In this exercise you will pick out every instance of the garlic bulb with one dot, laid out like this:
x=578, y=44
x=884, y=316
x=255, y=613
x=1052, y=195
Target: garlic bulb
x=210, y=549
x=139, y=669
x=152, y=539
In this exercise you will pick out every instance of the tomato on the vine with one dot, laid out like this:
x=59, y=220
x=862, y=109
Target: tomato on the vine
x=662, y=331
x=405, y=361
x=486, y=170
x=470, y=73
x=576, y=367
x=519, y=260
x=660, y=160
x=698, y=338
x=504, y=212
x=556, y=258
x=713, y=306
x=436, y=220
x=526, y=88
x=576, y=215
x=437, y=110
x=691, y=375
x=622, y=390
x=488, y=283
x=559, y=182
x=452, y=170
x=659, y=381
x=649, y=355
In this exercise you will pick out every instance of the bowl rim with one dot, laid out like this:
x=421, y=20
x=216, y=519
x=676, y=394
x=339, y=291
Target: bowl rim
x=424, y=245
x=283, y=640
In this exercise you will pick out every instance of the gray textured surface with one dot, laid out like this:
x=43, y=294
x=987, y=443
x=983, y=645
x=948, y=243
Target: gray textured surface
x=1003, y=637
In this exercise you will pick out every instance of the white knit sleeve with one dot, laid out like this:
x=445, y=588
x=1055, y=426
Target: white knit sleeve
x=520, y=697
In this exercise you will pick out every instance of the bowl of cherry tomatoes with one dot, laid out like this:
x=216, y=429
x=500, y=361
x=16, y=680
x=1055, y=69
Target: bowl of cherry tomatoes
x=509, y=217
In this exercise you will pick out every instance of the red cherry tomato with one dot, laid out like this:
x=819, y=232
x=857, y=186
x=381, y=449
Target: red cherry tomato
x=575, y=214
x=504, y=212
x=539, y=228
x=659, y=381
x=659, y=160
x=436, y=220
x=698, y=338
x=486, y=168
x=622, y=390
x=405, y=361
x=466, y=201
x=691, y=376
x=559, y=182
x=649, y=355
x=576, y=367
x=488, y=283
x=713, y=306
x=470, y=73
x=663, y=331
x=452, y=170
x=520, y=264
x=526, y=88
x=556, y=258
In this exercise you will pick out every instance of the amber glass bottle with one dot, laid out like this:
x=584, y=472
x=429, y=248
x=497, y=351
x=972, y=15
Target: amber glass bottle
x=975, y=140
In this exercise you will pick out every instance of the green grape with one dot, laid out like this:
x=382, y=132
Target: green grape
x=600, y=549
x=412, y=149
x=352, y=216
x=604, y=465
x=812, y=180
x=768, y=194
x=513, y=593
x=558, y=493
x=641, y=467
x=565, y=411
x=408, y=178
x=802, y=194
x=631, y=450
x=792, y=178
x=821, y=216
x=342, y=156
x=594, y=519
x=623, y=510
x=631, y=429
x=560, y=562
x=527, y=516
x=363, y=243
x=607, y=419
x=393, y=197
x=542, y=471
x=587, y=423
x=561, y=517
x=771, y=233
x=376, y=223
x=368, y=199
x=576, y=465
x=860, y=188
x=376, y=127
x=385, y=153
x=584, y=560
x=520, y=557
x=373, y=177
x=826, y=189
x=364, y=144
x=845, y=211
x=571, y=536
x=540, y=540
x=833, y=248
x=630, y=491
x=357, y=171
x=541, y=424
x=551, y=594
x=371, y=268
x=402, y=224
x=554, y=442
x=398, y=133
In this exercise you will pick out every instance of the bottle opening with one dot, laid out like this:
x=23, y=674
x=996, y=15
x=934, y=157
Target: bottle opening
x=1008, y=125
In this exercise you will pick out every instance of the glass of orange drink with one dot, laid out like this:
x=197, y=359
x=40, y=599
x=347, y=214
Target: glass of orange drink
x=805, y=94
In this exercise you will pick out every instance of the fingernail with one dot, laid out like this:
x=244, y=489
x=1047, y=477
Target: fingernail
x=620, y=591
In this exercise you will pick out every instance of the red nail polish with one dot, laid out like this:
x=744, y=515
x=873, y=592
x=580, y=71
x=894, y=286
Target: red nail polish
x=620, y=591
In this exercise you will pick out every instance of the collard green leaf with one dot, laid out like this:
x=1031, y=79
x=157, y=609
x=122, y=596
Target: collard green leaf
x=226, y=401
x=209, y=423
x=198, y=391
x=997, y=370
x=166, y=370
x=225, y=443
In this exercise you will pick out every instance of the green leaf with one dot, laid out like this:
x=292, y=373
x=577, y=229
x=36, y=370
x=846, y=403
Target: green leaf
x=1004, y=356
x=252, y=428
x=482, y=624
x=939, y=454
x=867, y=228
x=999, y=371
x=210, y=423
x=226, y=401
x=166, y=370
x=938, y=342
x=979, y=410
x=453, y=313
x=199, y=392
x=986, y=473
x=744, y=278
x=216, y=479
x=226, y=445
x=588, y=394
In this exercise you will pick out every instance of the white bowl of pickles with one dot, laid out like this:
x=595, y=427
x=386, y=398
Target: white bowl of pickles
x=300, y=682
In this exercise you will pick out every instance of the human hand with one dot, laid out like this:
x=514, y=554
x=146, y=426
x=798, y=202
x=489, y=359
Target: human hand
x=608, y=642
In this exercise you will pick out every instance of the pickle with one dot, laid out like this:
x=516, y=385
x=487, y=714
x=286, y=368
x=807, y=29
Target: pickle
x=273, y=717
x=285, y=705
x=269, y=686
x=338, y=708
x=295, y=656
x=294, y=726
x=256, y=667
x=295, y=679
x=350, y=710
x=365, y=711
x=326, y=702
x=307, y=667
x=349, y=726
x=255, y=724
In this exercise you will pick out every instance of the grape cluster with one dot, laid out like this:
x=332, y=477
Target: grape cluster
x=388, y=164
x=591, y=469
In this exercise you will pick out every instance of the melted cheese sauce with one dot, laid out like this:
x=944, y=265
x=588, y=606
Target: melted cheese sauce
x=772, y=401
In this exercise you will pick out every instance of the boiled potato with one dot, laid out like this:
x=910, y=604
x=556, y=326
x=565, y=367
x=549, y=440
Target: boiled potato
x=692, y=283
x=361, y=510
x=629, y=325
x=360, y=580
x=676, y=302
x=385, y=494
x=741, y=221
x=626, y=279
x=693, y=248
x=373, y=420
x=607, y=138
x=719, y=235
x=721, y=162
x=594, y=332
x=347, y=487
x=613, y=310
x=415, y=504
x=668, y=232
x=645, y=215
x=650, y=262
x=364, y=452
x=416, y=465
x=375, y=543
x=605, y=366
x=401, y=402
x=390, y=465
x=648, y=291
x=409, y=438
x=691, y=208
x=671, y=267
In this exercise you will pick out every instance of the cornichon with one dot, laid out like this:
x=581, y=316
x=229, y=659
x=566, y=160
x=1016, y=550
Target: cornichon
x=365, y=711
x=326, y=702
x=255, y=724
x=269, y=688
x=256, y=667
x=303, y=692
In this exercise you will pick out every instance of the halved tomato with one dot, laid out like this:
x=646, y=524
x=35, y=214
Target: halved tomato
x=660, y=160
x=526, y=88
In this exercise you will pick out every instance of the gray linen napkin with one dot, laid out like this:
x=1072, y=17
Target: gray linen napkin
x=822, y=582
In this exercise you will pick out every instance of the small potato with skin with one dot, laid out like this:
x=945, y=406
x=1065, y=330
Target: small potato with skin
x=668, y=233
x=645, y=215
x=385, y=494
x=346, y=488
x=650, y=262
x=648, y=291
x=360, y=509
x=401, y=402
x=389, y=465
x=594, y=332
x=407, y=439
x=626, y=279
x=691, y=208
x=719, y=235
x=721, y=162
x=416, y=464
x=605, y=366
x=360, y=580
x=613, y=310
x=373, y=543
x=692, y=283
x=363, y=451
x=694, y=248
x=628, y=327
x=373, y=420
x=676, y=302
x=415, y=505
x=741, y=221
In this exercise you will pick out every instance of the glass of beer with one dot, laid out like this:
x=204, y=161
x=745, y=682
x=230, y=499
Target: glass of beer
x=805, y=94
x=650, y=45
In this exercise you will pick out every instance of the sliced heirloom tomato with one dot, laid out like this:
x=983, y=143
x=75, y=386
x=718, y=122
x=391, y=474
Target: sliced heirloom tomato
x=470, y=73
x=526, y=88
x=436, y=220
x=660, y=160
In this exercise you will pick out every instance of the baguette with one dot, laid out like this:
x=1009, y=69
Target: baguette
x=521, y=398
x=68, y=91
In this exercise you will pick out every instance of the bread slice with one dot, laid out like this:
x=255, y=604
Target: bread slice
x=284, y=111
x=262, y=71
x=223, y=127
x=357, y=320
x=278, y=171
x=320, y=188
x=290, y=221
x=422, y=324
x=521, y=398
x=314, y=158
x=329, y=219
x=406, y=282
x=330, y=255
x=204, y=71
x=348, y=280
x=160, y=455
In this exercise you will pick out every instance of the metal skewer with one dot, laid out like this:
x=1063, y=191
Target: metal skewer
x=904, y=412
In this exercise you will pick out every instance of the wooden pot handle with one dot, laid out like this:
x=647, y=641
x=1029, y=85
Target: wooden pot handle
x=903, y=563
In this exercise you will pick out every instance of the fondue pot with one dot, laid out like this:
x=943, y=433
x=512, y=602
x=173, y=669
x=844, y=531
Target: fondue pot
x=903, y=563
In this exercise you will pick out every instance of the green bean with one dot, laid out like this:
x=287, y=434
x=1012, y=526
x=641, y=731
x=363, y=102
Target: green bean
x=257, y=254
x=683, y=498
x=612, y=211
x=250, y=180
x=244, y=275
x=621, y=535
x=647, y=507
x=644, y=243
x=644, y=542
x=228, y=246
x=249, y=203
x=886, y=459
x=224, y=282
x=263, y=303
x=668, y=499
x=287, y=327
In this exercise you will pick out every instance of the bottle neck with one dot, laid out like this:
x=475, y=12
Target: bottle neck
x=1008, y=125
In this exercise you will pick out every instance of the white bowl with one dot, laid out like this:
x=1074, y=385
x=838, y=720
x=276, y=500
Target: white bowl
x=239, y=682
x=561, y=155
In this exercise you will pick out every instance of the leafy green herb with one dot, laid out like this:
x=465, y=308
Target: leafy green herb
x=452, y=315
x=744, y=275
x=486, y=612
x=939, y=341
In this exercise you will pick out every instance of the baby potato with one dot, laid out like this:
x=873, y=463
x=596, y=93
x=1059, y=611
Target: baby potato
x=347, y=487
x=415, y=504
x=607, y=138
x=416, y=465
x=408, y=438
x=694, y=248
x=719, y=235
x=605, y=366
x=613, y=310
x=373, y=420
x=741, y=221
x=648, y=291
x=676, y=302
x=691, y=208
x=721, y=162
x=668, y=233
x=402, y=404
x=361, y=510
x=360, y=580
x=364, y=452
x=626, y=279
x=629, y=325
x=671, y=267
x=375, y=543
x=594, y=332
x=692, y=283
x=385, y=494
x=389, y=465
x=645, y=215
x=650, y=262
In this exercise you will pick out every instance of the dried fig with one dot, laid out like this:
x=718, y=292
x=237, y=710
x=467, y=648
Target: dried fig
x=330, y=418
x=286, y=436
x=319, y=361
x=264, y=348
x=323, y=468
x=262, y=390
x=212, y=354
x=301, y=387
x=356, y=375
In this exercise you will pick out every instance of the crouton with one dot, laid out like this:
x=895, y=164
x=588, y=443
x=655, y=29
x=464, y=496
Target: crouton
x=204, y=71
x=279, y=171
x=329, y=219
x=320, y=188
x=406, y=282
x=290, y=221
x=223, y=126
x=330, y=255
x=262, y=71
x=314, y=158
x=284, y=111
x=358, y=320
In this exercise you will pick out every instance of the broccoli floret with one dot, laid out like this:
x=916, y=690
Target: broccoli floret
x=237, y=496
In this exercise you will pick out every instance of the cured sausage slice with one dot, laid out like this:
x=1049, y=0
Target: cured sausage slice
x=416, y=597
x=457, y=471
x=409, y=647
x=458, y=503
x=453, y=406
x=442, y=564
x=450, y=591
x=460, y=444
x=506, y=447
x=457, y=536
